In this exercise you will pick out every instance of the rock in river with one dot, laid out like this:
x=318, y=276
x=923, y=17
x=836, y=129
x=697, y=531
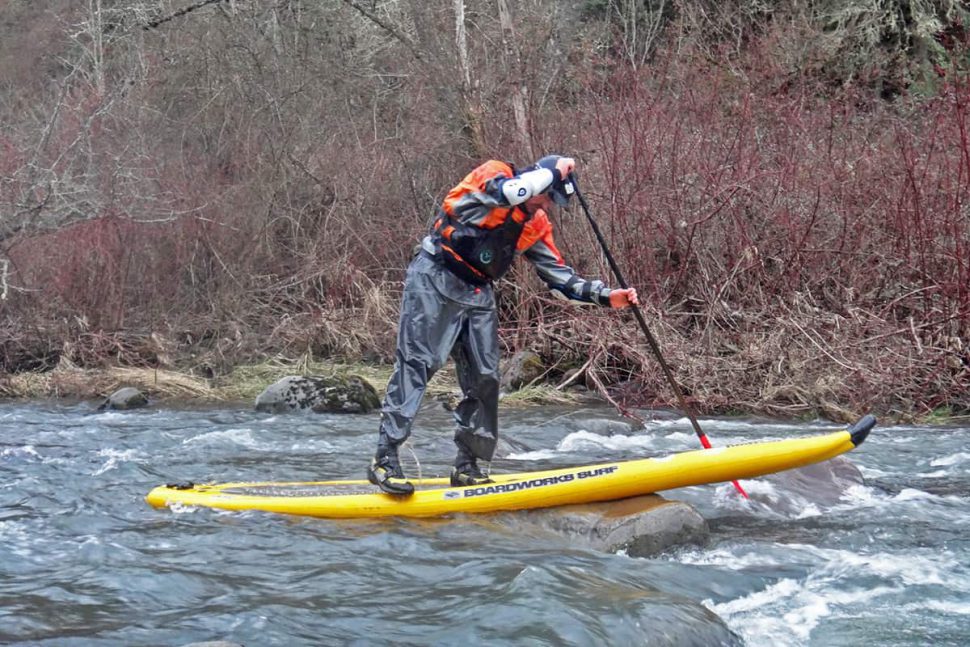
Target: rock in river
x=331, y=394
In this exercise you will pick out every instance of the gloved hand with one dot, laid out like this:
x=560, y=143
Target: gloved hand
x=565, y=166
x=623, y=298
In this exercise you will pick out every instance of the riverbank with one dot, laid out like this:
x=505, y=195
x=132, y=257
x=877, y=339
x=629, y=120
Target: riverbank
x=243, y=383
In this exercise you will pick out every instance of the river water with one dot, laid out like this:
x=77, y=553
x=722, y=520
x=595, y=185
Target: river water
x=84, y=560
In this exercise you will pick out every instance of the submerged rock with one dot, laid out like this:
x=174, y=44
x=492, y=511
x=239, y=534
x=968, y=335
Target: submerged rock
x=602, y=426
x=820, y=485
x=332, y=394
x=125, y=398
x=641, y=526
x=686, y=623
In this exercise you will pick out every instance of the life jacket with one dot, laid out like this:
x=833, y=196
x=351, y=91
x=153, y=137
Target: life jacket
x=484, y=252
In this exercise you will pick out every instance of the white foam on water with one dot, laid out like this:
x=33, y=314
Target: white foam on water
x=896, y=438
x=580, y=440
x=688, y=439
x=539, y=455
x=761, y=488
x=663, y=424
x=940, y=606
x=314, y=446
x=115, y=456
x=735, y=558
x=785, y=612
x=682, y=438
x=912, y=494
x=809, y=510
x=181, y=508
x=898, y=570
x=109, y=415
x=726, y=497
x=861, y=497
x=745, y=425
x=242, y=437
x=766, y=500
x=26, y=451
x=952, y=459
x=936, y=568
x=872, y=472
x=757, y=600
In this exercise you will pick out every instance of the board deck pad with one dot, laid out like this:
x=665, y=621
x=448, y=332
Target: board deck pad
x=303, y=490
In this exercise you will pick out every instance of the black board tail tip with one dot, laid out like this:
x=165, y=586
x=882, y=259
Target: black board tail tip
x=180, y=485
x=860, y=430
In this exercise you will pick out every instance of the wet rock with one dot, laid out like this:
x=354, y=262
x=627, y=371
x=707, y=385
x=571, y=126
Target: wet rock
x=821, y=485
x=449, y=401
x=574, y=379
x=123, y=399
x=641, y=526
x=332, y=394
x=686, y=624
x=602, y=426
x=520, y=370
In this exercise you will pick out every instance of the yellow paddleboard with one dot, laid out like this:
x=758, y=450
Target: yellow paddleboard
x=586, y=484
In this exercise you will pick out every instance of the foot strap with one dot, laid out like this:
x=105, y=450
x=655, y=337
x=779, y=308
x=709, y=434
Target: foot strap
x=382, y=477
x=464, y=479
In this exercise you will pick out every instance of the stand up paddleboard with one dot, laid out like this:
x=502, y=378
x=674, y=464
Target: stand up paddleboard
x=586, y=484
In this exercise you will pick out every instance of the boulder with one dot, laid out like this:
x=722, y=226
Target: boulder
x=602, y=426
x=818, y=486
x=124, y=398
x=331, y=394
x=521, y=369
x=640, y=526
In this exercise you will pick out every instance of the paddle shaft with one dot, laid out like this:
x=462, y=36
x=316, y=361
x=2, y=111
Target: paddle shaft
x=651, y=340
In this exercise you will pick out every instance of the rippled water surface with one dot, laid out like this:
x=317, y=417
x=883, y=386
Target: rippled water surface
x=83, y=560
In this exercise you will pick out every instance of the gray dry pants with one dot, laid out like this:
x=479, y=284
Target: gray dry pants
x=442, y=315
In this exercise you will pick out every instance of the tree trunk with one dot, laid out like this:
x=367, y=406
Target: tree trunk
x=520, y=94
x=471, y=104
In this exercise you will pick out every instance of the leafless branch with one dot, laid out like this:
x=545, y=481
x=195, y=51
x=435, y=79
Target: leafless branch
x=4, y=270
x=386, y=26
x=181, y=12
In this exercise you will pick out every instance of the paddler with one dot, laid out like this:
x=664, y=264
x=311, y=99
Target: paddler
x=495, y=214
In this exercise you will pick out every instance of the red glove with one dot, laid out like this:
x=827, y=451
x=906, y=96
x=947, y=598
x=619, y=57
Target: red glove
x=565, y=166
x=623, y=298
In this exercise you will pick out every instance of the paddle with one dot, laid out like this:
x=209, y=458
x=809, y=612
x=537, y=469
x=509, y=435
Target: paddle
x=643, y=326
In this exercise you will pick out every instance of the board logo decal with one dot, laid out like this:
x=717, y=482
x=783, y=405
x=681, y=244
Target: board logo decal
x=515, y=486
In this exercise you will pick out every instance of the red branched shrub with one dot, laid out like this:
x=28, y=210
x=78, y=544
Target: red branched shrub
x=800, y=244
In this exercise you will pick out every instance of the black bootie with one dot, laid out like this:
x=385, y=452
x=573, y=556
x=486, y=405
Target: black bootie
x=385, y=472
x=466, y=471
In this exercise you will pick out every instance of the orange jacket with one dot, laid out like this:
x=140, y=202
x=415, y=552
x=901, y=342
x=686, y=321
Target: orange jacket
x=480, y=232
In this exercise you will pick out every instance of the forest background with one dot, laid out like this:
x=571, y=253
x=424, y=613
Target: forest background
x=196, y=186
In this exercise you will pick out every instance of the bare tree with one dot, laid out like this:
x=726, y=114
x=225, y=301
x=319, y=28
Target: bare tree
x=520, y=92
